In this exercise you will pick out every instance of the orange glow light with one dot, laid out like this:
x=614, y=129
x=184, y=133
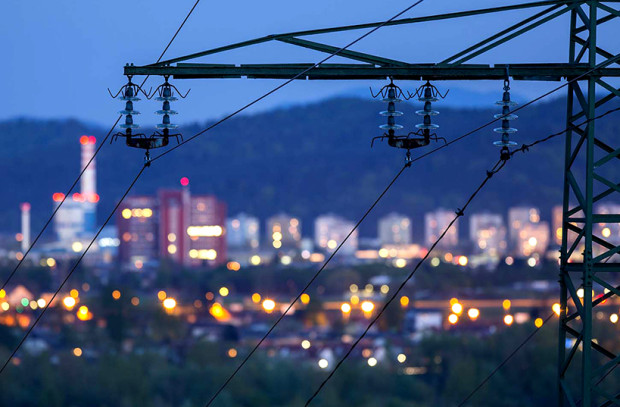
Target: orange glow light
x=269, y=305
x=218, y=312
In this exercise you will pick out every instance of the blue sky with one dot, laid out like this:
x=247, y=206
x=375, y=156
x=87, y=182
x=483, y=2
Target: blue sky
x=59, y=57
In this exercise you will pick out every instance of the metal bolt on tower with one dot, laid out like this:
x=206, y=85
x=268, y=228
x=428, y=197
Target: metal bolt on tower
x=591, y=163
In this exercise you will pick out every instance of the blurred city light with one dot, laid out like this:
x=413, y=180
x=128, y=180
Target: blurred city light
x=69, y=302
x=404, y=301
x=269, y=305
x=457, y=308
x=170, y=304
x=367, y=306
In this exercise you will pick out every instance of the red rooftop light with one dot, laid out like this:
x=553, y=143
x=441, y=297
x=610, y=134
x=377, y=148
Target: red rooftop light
x=185, y=181
x=84, y=140
x=58, y=196
x=78, y=197
x=25, y=206
x=92, y=140
x=94, y=198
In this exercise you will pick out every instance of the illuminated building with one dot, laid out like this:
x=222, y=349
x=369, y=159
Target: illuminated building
x=174, y=219
x=136, y=220
x=206, y=232
x=78, y=215
x=528, y=235
x=283, y=231
x=517, y=219
x=533, y=239
x=174, y=226
x=434, y=225
x=394, y=229
x=242, y=232
x=488, y=233
x=331, y=230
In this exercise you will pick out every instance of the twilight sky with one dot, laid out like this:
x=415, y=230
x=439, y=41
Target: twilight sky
x=60, y=56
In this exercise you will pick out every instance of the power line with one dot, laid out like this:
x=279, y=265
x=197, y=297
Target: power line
x=460, y=212
x=71, y=272
x=105, y=139
x=333, y=54
x=316, y=275
x=514, y=352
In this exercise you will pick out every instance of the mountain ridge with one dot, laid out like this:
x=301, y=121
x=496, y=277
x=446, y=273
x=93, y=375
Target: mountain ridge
x=305, y=160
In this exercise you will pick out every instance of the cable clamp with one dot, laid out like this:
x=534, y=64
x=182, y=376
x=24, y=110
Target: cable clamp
x=147, y=159
x=459, y=212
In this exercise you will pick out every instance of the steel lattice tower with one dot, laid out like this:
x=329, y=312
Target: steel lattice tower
x=585, y=254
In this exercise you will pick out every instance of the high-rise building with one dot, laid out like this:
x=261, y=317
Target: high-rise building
x=528, y=235
x=137, y=225
x=488, y=233
x=331, y=230
x=533, y=239
x=242, y=232
x=174, y=226
x=434, y=225
x=174, y=218
x=518, y=218
x=284, y=231
x=207, y=231
x=192, y=229
x=394, y=229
